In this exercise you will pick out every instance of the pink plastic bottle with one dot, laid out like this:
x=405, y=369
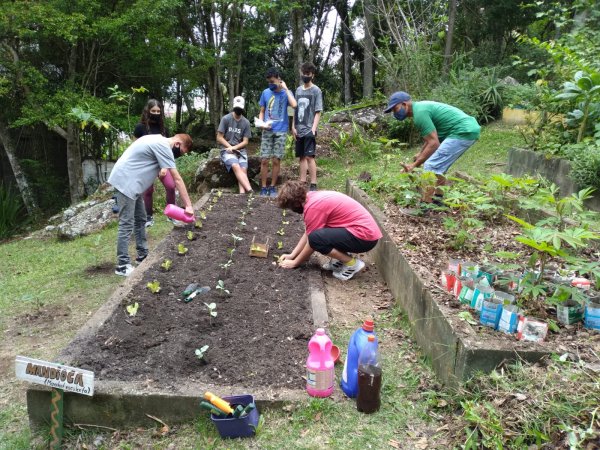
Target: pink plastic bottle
x=319, y=365
x=177, y=213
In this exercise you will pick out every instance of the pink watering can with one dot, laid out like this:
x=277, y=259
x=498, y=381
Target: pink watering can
x=177, y=213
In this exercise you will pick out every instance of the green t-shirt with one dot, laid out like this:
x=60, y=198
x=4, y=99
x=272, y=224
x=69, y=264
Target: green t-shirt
x=448, y=121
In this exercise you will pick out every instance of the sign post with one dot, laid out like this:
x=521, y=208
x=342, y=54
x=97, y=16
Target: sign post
x=60, y=378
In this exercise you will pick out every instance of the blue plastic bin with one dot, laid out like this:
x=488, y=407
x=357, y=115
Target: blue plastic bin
x=235, y=427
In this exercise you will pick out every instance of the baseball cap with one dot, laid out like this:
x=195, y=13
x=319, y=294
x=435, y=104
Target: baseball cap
x=238, y=102
x=396, y=97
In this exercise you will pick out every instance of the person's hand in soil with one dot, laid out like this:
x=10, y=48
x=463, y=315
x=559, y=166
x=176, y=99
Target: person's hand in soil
x=408, y=167
x=288, y=263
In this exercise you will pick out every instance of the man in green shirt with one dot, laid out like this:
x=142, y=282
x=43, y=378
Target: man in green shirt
x=447, y=132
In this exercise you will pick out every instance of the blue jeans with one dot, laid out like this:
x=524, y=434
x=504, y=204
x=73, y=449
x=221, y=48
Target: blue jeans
x=132, y=217
x=446, y=155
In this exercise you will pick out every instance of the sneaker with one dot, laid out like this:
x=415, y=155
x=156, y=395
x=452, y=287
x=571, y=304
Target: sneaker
x=272, y=192
x=124, y=270
x=348, y=272
x=149, y=221
x=313, y=187
x=264, y=192
x=115, y=207
x=140, y=259
x=176, y=223
x=333, y=264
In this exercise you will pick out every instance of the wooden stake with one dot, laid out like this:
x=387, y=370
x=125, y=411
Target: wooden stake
x=56, y=419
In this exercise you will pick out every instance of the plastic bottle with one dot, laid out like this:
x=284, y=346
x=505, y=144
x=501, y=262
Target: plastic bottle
x=177, y=213
x=319, y=365
x=369, y=378
x=349, y=383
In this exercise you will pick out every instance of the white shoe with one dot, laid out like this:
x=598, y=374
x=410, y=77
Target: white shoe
x=124, y=271
x=347, y=272
x=149, y=221
x=176, y=223
x=333, y=264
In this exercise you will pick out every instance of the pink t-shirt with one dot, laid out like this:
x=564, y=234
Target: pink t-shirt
x=330, y=209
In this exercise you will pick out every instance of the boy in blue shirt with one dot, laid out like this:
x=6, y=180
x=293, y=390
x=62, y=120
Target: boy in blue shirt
x=274, y=103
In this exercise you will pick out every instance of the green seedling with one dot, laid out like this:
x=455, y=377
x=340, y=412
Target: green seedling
x=202, y=215
x=219, y=193
x=467, y=317
x=200, y=352
x=215, y=199
x=242, y=223
x=279, y=245
x=256, y=248
x=212, y=309
x=226, y=265
x=166, y=265
x=209, y=207
x=191, y=236
x=221, y=287
x=133, y=309
x=154, y=286
x=236, y=238
x=281, y=231
x=285, y=222
x=283, y=213
x=230, y=252
x=198, y=224
x=181, y=249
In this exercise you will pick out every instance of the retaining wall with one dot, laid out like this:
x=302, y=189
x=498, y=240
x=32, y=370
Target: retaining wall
x=523, y=162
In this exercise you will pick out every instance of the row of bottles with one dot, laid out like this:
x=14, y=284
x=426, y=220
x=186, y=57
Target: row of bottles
x=361, y=378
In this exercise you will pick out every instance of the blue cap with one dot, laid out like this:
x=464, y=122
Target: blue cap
x=397, y=97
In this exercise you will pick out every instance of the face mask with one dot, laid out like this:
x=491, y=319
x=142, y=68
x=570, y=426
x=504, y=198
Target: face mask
x=306, y=78
x=400, y=114
x=177, y=151
x=154, y=117
x=272, y=86
x=238, y=111
x=298, y=210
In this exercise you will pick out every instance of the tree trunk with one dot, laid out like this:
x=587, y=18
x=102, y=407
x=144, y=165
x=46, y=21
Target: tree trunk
x=26, y=194
x=369, y=47
x=297, y=41
x=449, y=36
x=342, y=9
x=74, y=164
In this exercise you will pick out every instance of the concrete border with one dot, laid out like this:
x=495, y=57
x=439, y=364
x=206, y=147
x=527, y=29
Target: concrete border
x=118, y=404
x=455, y=350
x=523, y=162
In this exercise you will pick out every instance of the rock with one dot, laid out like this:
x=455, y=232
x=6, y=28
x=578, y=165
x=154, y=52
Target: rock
x=368, y=116
x=212, y=173
x=87, y=220
x=340, y=117
x=68, y=213
x=50, y=228
x=510, y=81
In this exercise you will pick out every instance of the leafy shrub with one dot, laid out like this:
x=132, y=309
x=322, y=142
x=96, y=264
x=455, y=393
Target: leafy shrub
x=520, y=96
x=585, y=163
x=51, y=190
x=187, y=166
x=10, y=211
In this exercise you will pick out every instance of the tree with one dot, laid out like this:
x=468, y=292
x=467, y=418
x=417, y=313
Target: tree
x=449, y=36
x=369, y=44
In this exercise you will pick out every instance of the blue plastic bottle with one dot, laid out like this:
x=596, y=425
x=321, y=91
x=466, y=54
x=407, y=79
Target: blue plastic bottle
x=359, y=339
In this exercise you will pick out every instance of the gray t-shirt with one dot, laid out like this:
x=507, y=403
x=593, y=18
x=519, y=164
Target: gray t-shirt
x=233, y=130
x=310, y=101
x=139, y=165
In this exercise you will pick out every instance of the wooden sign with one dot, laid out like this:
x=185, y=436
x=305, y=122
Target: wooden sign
x=57, y=376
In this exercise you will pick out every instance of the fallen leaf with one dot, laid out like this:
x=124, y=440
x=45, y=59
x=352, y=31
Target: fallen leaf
x=443, y=428
x=304, y=432
x=317, y=417
x=498, y=401
x=394, y=443
x=441, y=403
x=519, y=396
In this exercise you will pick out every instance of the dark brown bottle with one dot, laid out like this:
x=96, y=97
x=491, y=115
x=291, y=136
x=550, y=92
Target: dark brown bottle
x=369, y=378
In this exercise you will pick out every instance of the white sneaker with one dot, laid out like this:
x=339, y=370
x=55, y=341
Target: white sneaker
x=176, y=223
x=149, y=221
x=124, y=271
x=347, y=272
x=333, y=264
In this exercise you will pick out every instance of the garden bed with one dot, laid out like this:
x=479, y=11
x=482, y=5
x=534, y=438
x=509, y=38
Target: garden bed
x=412, y=256
x=147, y=363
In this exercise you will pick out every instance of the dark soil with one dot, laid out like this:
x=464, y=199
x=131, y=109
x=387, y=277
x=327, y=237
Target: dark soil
x=260, y=334
x=425, y=243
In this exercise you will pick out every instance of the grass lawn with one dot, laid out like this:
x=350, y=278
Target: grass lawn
x=42, y=277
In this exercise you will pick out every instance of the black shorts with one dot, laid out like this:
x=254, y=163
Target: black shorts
x=324, y=240
x=306, y=146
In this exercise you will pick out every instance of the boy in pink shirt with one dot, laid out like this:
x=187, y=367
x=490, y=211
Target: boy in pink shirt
x=336, y=225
